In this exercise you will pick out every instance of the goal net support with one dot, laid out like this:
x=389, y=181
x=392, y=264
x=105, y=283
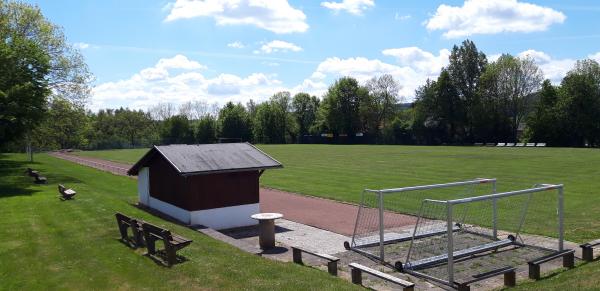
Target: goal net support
x=453, y=236
x=388, y=216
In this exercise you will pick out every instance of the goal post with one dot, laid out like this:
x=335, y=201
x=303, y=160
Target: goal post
x=486, y=224
x=387, y=216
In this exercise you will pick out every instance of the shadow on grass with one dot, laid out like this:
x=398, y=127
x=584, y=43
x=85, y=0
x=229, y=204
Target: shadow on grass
x=13, y=179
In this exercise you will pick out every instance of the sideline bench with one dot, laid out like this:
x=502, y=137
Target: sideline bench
x=501, y=144
x=510, y=279
x=67, y=194
x=568, y=257
x=332, y=262
x=357, y=269
x=510, y=144
x=587, y=250
x=40, y=179
x=173, y=242
x=31, y=173
x=124, y=222
x=540, y=144
x=519, y=144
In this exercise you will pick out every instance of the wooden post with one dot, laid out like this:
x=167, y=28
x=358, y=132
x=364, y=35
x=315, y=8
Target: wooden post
x=569, y=260
x=510, y=279
x=464, y=287
x=534, y=271
x=332, y=267
x=356, y=276
x=587, y=253
x=297, y=255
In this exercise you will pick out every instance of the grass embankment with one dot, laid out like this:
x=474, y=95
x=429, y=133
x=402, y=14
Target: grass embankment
x=47, y=244
x=341, y=172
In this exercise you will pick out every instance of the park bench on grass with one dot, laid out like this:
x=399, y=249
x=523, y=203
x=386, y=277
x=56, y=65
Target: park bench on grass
x=509, y=273
x=530, y=144
x=519, y=144
x=490, y=144
x=510, y=144
x=39, y=179
x=172, y=242
x=125, y=222
x=357, y=269
x=67, y=194
x=331, y=260
x=568, y=262
x=540, y=144
x=31, y=173
x=501, y=144
x=587, y=250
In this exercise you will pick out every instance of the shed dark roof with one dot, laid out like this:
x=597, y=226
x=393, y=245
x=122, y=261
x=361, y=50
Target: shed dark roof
x=209, y=158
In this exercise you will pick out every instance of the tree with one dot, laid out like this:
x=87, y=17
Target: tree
x=234, y=122
x=517, y=79
x=547, y=122
x=466, y=64
x=177, y=130
x=133, y=124
x=162, y=111
x=64, y=127
x=384, y=91
x=305, y=110
x=341, y=106
x=206, y=129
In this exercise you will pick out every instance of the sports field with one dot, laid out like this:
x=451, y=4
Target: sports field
x=49, y=244
x=341, y=172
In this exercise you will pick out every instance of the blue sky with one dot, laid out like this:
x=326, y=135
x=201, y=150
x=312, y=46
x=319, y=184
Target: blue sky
x=145, y=52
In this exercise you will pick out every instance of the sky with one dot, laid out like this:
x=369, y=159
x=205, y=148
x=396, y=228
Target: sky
x=145, y=52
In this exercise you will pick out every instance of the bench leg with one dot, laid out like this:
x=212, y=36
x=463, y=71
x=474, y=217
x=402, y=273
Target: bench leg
x=463, y=287
x=534, y=272
x=123, y=230
x=356, y=276
x=587, y=254
x=138, y=237
x=151, y=245
x=569, y=260
x=297, y=256
x=332, y=268
x=510, y=279
x=171, y=255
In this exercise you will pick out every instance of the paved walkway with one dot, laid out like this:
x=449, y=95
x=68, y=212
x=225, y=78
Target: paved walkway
x=322, y=213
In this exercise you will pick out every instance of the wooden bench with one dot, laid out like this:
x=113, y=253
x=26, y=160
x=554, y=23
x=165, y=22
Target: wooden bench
x=67, y=194
x=40, y=179
x=568, y=262
x=172, y=242
x=510, y=144
x=501, y=144
x=540, y=144
x=31, y=173
x=510, y=279
x=357, y=269
x=519, y=144
x=332, y=262
x=124, y=222
x=530, y=144
x=587, y=250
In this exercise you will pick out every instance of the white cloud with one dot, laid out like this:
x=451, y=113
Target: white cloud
x=81, y=45
x=274, y=15
x=402, y=17
x=419, y=59
x=595, y=57
x=278, y=46
x=236, y=44
x=355, y=7
x=165, y=82
x=492, y=17
x=553, y=69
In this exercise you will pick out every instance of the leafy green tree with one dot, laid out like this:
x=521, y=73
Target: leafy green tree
x=547, y=121
x=64, y=126
x=133, y=125
x=384, y=92
x=305, y=109
x=466, y=64
x=177, y=130
x=341, y=106
x=206, y=129
x=234, y=122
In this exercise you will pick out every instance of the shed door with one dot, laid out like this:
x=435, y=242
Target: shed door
x=144, y=186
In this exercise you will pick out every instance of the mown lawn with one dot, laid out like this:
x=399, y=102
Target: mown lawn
x=341, y=172
x=49, y=244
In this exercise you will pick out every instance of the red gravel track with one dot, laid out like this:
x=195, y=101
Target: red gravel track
x=322, y=213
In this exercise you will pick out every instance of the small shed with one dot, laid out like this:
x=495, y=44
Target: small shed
x=215, y=185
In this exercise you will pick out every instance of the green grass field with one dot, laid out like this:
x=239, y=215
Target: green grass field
x=341, y=172
x=48, y=244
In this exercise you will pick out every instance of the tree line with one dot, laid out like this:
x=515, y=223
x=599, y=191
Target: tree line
x=44, y=85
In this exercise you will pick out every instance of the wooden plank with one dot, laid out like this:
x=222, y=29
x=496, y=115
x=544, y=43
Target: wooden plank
x=382, y=275
x=322, y=256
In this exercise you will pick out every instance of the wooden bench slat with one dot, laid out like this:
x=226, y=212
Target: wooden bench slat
x=550, y=257
x=490, y=274
x=382, y=275
x=591, y=243
x=568, y=257
x=320, y=255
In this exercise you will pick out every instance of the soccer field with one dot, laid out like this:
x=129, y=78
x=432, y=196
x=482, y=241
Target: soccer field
x=340, y=172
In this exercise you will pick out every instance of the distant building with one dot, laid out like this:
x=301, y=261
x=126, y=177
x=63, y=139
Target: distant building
x=215, y=185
